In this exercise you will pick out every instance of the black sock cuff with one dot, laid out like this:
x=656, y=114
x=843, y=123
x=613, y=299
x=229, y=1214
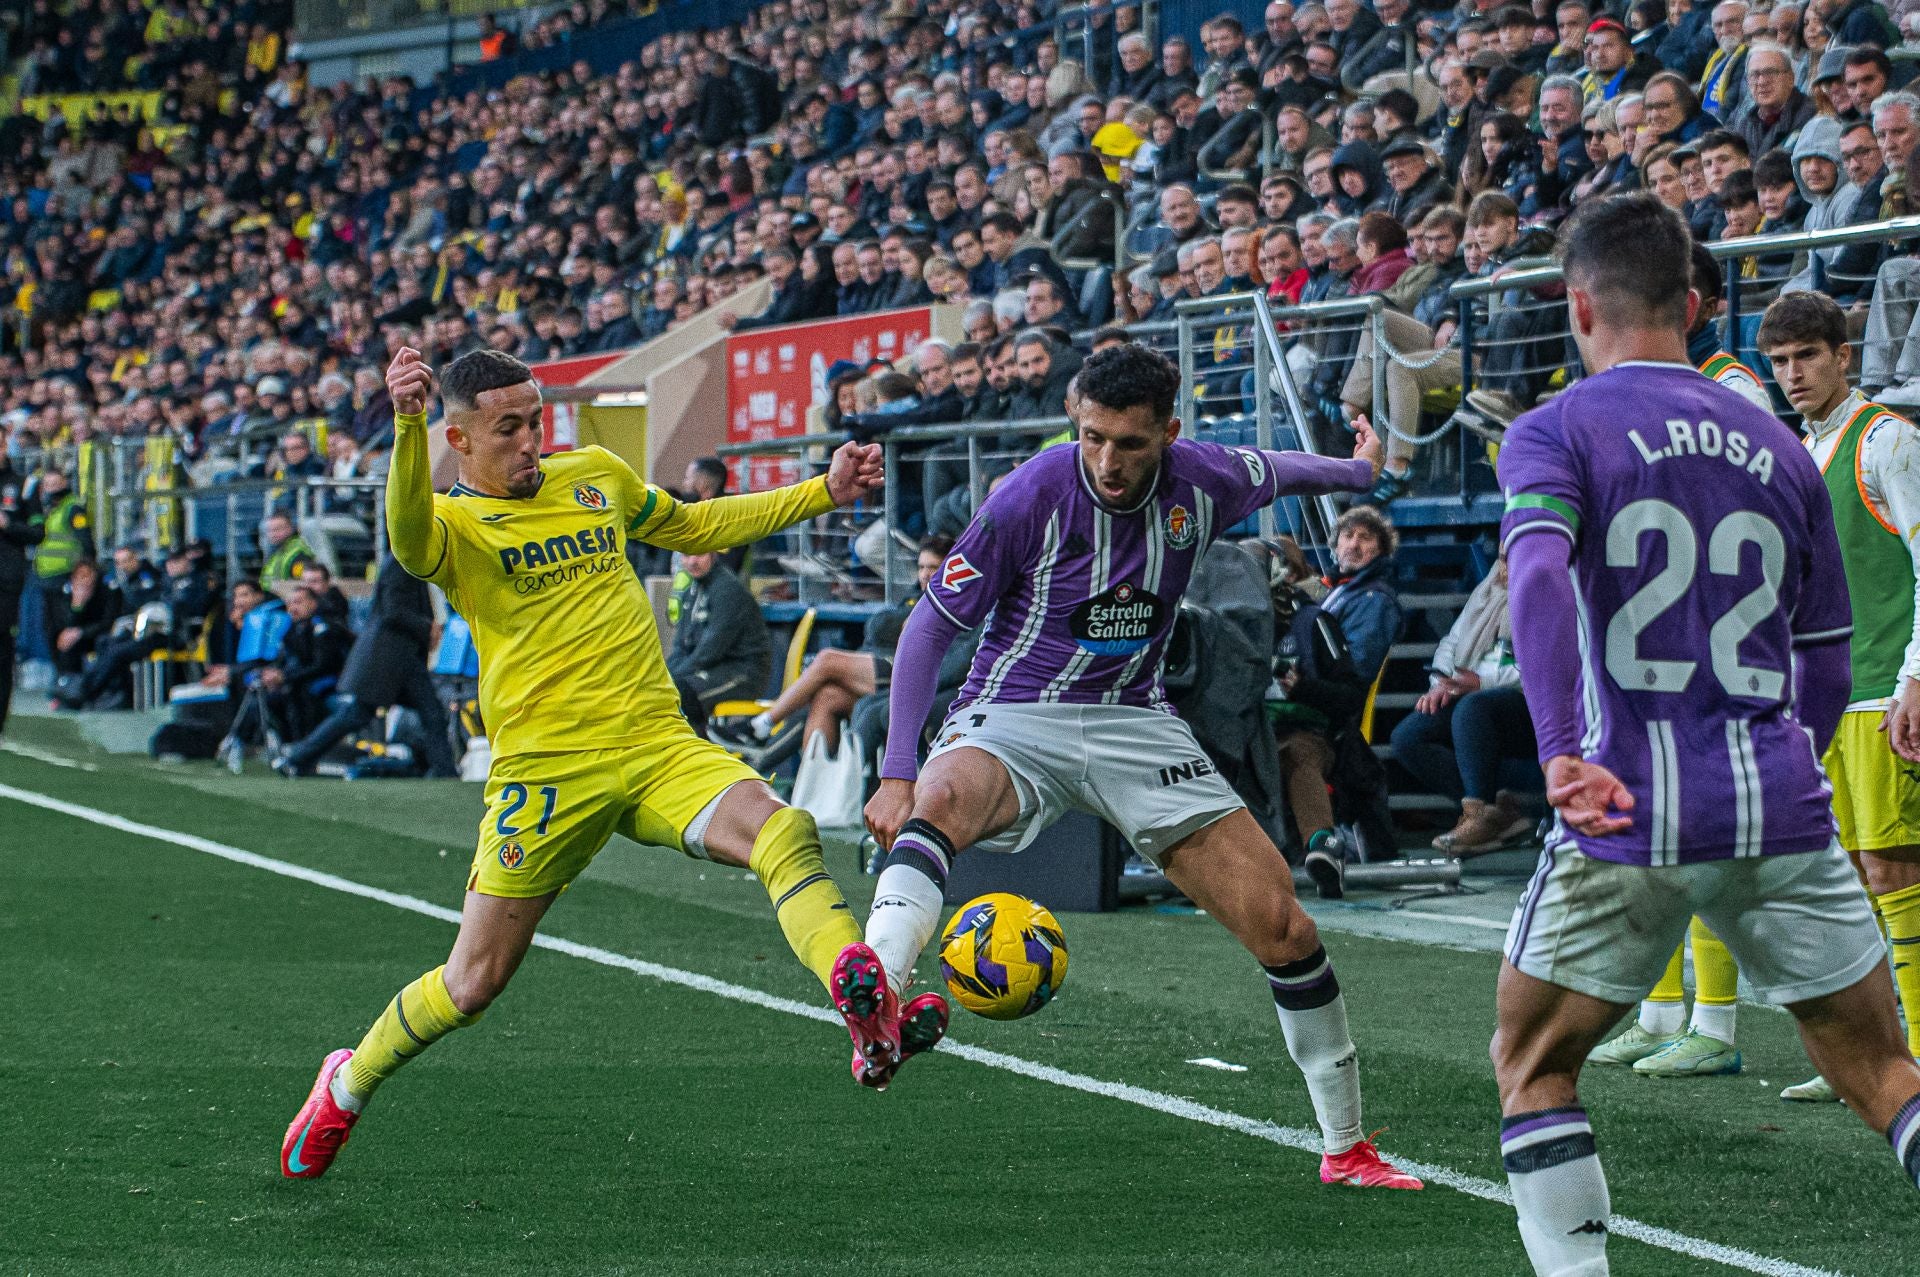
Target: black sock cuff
x=932, y=833
x=1299, y=968
x=913, y=857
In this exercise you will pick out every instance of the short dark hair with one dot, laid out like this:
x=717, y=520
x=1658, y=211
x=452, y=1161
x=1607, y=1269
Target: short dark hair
x=1382, y=231
x=1238, y=192
x=1005, y=223
x=965, y=350
x=713, y=468
x=1107, y=336
x=1717, y=138
x=1868, y=56
x=478, y=371
x=937, y=543
x=1802, y=317
x=1634, y=255
x=1775, y=168
x=1738, y=190
x=1128, y=376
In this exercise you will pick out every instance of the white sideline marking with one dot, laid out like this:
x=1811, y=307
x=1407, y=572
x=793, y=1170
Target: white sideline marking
x=1452, y=919
x=1208, y=1062
x=46, y=756
x=1172, y=1105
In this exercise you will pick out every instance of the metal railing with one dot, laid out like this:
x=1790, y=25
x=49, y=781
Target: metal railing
x=343, y=519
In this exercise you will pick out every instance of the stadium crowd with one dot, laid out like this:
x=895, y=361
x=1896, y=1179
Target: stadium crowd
x=239, y=265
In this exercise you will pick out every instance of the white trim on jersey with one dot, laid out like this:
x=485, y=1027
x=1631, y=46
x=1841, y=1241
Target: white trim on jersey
x=1590, y=704
x=1749, y=804
x=1036, y=612
x=1663, y=830
x=1150, y=582
x=1203, y=517
x=1098, y=582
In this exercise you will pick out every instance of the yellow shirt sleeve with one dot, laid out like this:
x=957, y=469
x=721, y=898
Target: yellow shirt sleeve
x=415, y=533
x=724, y=522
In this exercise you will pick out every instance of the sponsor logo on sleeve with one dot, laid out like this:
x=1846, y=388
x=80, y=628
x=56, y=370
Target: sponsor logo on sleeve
x=956, y=572
x=1256, y=465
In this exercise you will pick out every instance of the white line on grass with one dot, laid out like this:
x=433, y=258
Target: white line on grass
x=46, y=756
x=1172, y=1105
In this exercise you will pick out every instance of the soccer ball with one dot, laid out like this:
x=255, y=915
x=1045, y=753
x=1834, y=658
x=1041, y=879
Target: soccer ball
x=1003, y=956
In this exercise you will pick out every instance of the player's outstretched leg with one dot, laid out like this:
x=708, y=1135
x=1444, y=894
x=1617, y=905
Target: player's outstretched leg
x=1546, y=1143
x=1663, y=1017
x=1707, y=1048
x=1234, y=872
x=1854, y=1038
x=495, y=932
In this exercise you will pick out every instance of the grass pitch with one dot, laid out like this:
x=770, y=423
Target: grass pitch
x=167, y=1009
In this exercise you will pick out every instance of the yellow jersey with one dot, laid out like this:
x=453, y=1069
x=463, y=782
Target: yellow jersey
x=569, y=656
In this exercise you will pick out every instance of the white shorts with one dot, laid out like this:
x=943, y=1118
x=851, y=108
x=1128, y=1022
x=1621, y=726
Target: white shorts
x=1139, y=770
x=1799, y=926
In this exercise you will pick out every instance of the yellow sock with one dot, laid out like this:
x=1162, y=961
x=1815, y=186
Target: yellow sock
x=806, y=901
x=1716, y=977
x=1901, y=909
x=1673, y=985
x=419, y=1015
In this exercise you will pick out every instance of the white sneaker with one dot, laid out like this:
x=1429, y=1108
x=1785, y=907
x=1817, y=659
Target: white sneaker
x=1816, y=1091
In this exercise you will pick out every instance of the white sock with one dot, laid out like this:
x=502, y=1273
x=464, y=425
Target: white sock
x=337, y=1088
x=905, y=914
x=1715, y=1021
x=1663, y=1019
x=1313, y=1018
x=1559, y=1191
x=761, y=725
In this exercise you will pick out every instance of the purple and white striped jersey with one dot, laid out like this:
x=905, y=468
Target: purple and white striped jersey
x=1703, y=554
x=1079, y=599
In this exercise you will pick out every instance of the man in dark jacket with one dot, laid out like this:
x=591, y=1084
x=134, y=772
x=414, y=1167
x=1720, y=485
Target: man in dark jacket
x=21, y=526
x=1773, y=109
x=721, y=649
x=1043, y=373
x=1384, y=50
x=387, y=667
x=718, y=111
x=294, y=686
x=1415, y=183
x=1362, y=597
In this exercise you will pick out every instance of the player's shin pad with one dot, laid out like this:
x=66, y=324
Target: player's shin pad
x=806, y=900
x=419, y=1015
x=907, y=899
x=1313, y=1017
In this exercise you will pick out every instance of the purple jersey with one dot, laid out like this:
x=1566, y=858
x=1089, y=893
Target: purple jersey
x=1079, y=599
x=1703, y=552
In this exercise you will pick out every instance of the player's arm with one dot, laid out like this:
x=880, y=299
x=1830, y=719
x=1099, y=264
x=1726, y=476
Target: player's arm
x=415, y=534
x=724, y=522
x=1255, y=478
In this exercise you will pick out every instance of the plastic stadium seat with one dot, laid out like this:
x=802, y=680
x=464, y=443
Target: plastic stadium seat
x=796, y=660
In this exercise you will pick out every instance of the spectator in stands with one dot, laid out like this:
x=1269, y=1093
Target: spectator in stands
x=1613, y=68
x=1775, y=109
x=1361, y=592
x=1723, y=84
x=1469, y=737
x=333, y=604
x=1044, y=370
x=721, y=649
x=387, y=666
x=201, y=720
x=80, y=611
x=1415, y=182
x=291, y=689
x=835, y=680
x=287, y=553
x=189, y=596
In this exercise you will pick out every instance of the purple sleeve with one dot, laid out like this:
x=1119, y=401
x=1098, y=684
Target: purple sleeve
x=1822, y=682
x=1546, y=639
x=1244, y=480
x=987, y=558
x=924, y=641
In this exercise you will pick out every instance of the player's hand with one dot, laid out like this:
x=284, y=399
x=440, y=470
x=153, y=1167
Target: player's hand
x=1366, y=444
x=409, y=382
x=857, y=470
x=1902, y=722
x=1586, y=794
x=888, y=810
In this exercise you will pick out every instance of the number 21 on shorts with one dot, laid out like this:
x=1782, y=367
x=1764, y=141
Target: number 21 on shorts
x=513, y=798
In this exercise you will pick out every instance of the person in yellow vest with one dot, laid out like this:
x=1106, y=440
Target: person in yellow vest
x=287, y=553
x=1871, y=460
x=68, y=537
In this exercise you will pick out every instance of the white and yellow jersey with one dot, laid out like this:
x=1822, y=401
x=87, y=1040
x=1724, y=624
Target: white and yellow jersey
x=1736, y=376
x=569, y=656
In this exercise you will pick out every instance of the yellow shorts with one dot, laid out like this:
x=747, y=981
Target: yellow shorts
x=548, y=815
x=1876, y=793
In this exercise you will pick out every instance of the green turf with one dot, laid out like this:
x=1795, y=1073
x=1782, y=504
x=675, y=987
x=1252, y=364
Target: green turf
x=167, y=1009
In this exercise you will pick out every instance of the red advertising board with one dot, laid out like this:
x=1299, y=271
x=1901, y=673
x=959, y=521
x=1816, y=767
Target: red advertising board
x=562, y=420
x=774, y=375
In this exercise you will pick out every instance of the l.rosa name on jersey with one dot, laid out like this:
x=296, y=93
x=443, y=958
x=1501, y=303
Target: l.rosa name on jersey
x=1707, y=439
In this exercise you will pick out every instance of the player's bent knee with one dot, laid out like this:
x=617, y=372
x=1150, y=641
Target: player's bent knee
x=472, y=987
x=1288, y=937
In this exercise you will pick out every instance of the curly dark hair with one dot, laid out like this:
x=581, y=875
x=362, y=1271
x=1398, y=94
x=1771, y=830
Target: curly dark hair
x=1123, y=377
x=477, y=372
